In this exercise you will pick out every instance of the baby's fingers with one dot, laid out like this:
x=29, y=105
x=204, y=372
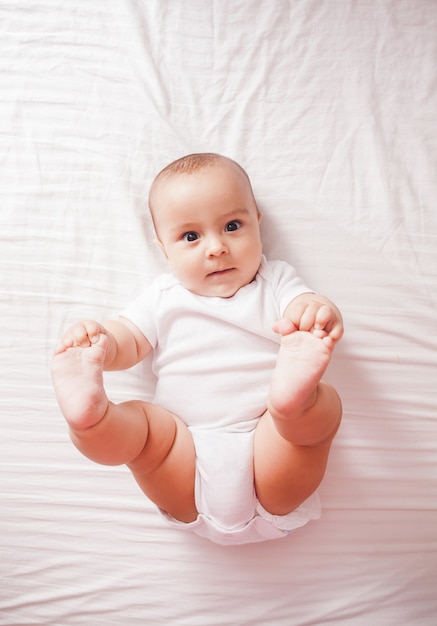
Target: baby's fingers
x=81, y=335
x=308, y=318
x=324, y=318
x=327, y=320
x=337, y=331
x=86, y=333
x=284, y=326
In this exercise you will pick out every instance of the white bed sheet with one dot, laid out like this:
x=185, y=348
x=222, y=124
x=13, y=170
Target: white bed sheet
x=331, y=107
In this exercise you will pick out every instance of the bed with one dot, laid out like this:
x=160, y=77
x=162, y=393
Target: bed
x=331, y=107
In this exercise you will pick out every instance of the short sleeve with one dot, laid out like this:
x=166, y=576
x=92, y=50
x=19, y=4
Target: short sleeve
x=143, y=310
x=285, y=282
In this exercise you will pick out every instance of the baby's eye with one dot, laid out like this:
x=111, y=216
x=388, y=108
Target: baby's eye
x=190, y=236
x=231, y=226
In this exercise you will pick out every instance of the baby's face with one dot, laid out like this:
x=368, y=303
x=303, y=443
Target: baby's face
x=207, y=224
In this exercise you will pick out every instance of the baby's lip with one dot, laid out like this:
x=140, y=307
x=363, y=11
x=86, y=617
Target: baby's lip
x=223, y=270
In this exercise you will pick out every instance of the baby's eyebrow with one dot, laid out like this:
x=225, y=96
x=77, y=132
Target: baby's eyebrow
x=184, y=228
x=236, y=212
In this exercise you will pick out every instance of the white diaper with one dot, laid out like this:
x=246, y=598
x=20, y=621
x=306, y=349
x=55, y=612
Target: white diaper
x=229, y=512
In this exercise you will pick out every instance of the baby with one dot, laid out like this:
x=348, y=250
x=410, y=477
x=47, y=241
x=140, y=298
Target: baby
x=237, y=438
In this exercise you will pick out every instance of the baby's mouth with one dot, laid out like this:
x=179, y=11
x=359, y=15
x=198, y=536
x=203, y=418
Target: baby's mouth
x=221, y=272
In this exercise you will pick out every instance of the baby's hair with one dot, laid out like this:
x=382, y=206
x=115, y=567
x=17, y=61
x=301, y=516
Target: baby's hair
x=190, y=164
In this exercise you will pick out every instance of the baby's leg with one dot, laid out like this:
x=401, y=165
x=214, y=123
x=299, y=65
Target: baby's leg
x=293, y=438
x=155, y=444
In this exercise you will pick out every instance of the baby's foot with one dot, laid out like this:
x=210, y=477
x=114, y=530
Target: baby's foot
x=78, y=380
x=302, y=361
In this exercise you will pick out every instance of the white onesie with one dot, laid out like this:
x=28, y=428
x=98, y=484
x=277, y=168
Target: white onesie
x=213, y=358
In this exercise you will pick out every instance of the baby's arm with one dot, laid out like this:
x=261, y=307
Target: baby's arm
x=127, y=345
x=312, y=313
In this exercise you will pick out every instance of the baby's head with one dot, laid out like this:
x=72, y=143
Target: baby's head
x=207, y=223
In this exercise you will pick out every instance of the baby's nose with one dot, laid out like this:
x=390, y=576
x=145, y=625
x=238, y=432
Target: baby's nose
x=216, y=246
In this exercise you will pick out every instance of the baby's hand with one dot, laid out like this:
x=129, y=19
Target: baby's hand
x=314, y=314
x=81, y=335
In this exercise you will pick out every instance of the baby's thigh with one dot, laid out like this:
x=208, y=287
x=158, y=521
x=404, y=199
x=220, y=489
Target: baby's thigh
x=165, y=469
x=285, y=474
